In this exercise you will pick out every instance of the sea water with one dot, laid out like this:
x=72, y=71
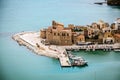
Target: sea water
x=19, y=63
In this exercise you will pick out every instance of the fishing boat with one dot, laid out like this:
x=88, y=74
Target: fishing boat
x=76, y=61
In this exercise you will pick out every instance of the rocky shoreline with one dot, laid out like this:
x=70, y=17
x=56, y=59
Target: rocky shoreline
x=113, y=2
x=109, y=2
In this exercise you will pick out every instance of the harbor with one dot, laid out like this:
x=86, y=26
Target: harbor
x=33, y=42
x=17, y=62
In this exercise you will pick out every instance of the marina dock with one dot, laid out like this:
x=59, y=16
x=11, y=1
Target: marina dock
x=64, y=59
x=104, y=47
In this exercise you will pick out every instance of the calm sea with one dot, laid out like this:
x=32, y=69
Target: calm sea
x=18, y=63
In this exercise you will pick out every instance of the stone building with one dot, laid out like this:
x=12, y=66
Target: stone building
x=117, y=38
x=92, y=32
x=77, y=38
x=102, y=24
x=106, y=29
x=99, y=32
x=80, y=38
x=71, y=26
x=95, y=26
x=108, y=38
x=57, y=25
x=117, y=24
x=115, y=27
x=57, y=34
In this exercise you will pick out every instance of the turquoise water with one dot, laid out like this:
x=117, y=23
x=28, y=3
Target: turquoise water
x=18, y=63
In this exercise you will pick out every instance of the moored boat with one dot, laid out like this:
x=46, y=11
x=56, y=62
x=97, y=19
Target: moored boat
x=117, y=50
x=76, y=61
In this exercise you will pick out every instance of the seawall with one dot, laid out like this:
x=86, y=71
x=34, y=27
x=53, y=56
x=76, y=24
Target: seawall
x=33, y=42
x=21, y=41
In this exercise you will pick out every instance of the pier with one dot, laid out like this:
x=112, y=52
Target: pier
x=64, y=59
x=33, y=42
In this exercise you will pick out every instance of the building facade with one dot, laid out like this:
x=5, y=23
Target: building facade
x=57, y=34
x=100, y=32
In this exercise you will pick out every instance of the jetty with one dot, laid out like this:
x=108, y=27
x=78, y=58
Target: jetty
x=64, y=59
x=33, y=41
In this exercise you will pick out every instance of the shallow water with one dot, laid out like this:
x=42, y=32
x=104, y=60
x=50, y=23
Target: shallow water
x=18, y=63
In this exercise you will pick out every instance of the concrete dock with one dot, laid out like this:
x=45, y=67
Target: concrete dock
x=64, y=59
x=32, y=41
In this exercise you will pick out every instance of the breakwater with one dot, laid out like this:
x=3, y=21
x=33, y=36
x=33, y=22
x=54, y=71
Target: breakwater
x=33, y=42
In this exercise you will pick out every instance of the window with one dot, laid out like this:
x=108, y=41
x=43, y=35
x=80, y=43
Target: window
x=67, y=34
x=80, y=39
x=63, y=34
x=58, y=34
x=54, y=34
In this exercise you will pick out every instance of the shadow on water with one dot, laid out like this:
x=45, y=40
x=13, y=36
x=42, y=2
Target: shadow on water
x=74, y=67
x=98, y=52
x=83, y=66
x=115, y=7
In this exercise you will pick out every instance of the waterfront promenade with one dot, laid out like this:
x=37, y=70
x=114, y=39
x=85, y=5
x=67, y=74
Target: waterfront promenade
x=105, y=47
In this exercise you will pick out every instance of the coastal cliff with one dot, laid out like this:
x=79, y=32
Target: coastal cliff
x=113, y=2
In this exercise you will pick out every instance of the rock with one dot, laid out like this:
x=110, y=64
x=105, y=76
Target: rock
x=113, y=2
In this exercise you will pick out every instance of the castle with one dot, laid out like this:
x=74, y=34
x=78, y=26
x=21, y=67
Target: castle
x=59, y=35
x=100, y=32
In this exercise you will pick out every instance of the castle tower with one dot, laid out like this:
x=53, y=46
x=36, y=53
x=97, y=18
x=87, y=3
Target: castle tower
x=57, y=25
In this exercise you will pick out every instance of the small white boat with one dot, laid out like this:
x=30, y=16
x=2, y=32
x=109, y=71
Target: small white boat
x=117, y=50
x=77, y=61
